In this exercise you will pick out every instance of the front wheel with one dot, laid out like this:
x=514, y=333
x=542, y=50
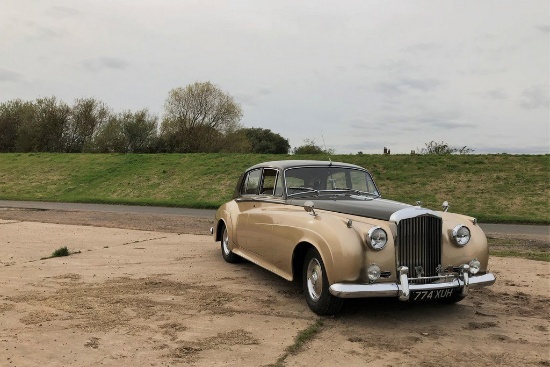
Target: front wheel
x=227, y=254
x=315, y=284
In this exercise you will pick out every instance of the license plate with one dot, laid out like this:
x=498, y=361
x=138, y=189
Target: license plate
x=432, y=294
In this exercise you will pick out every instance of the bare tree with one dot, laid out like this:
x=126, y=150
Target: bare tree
x=196, y=116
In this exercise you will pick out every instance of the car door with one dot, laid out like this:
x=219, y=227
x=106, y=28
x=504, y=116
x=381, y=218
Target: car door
x=260, y=216
x=246, y=201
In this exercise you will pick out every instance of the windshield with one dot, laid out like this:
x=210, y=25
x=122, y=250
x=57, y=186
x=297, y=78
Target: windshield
x=331, y=179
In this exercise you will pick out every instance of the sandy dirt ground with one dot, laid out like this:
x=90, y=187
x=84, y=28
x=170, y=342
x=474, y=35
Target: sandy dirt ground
x=153, y=290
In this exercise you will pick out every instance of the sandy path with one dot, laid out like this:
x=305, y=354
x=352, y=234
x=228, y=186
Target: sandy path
x=156, y=298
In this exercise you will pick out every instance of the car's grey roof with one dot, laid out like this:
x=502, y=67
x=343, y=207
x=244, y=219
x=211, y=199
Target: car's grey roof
x=284, y=164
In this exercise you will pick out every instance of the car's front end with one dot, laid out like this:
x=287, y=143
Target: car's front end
x=420, y=255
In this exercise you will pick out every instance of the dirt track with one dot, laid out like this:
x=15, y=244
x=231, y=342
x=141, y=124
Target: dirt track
x=160, y=297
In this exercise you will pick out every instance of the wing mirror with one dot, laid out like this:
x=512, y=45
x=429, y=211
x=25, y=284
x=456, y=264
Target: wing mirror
x=310, y=208
x=445, y=205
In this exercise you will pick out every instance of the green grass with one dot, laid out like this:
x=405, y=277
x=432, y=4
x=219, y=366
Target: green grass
x=493, y=188
x=302, y=338
x=524, y=248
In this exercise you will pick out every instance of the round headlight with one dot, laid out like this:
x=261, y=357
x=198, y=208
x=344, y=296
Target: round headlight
x=373, y=272
x=461, y=235
x=474, y=266
x=377, y=238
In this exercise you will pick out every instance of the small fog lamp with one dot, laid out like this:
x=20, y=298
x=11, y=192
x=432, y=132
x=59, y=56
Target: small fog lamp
x=474, y=266
x=373, y=272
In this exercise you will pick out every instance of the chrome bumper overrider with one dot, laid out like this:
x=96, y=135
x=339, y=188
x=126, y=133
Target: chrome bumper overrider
x=403, y=289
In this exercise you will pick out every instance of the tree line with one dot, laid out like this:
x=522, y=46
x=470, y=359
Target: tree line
x=197, y=118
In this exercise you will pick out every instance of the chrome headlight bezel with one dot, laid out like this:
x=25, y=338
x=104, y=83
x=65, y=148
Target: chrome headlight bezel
x=461, y=235
x=377, y=238
x=475, y=265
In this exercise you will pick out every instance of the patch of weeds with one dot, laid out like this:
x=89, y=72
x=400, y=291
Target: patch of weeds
x=60, y=252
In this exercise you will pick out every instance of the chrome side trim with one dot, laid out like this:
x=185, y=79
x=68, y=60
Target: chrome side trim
x=344, y=290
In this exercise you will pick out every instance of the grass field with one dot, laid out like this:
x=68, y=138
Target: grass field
x=493, y=188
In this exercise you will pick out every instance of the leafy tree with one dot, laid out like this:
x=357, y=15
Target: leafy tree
x=196, y=116
x=127, y=132
x=310, y=147
x=86, y=119
x=264, y=141
x=12, y=115
x=44, y=131
x=236, y=142
x=139, y=130
x=110, y=137
x=434, y=147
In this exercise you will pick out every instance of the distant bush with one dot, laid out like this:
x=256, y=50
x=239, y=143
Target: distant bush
x=434, y=147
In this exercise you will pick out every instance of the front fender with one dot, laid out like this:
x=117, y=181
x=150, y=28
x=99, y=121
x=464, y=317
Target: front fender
x=477, y=248
x=340, y=247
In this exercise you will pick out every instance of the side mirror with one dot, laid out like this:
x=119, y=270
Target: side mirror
x=445, y=205
x=310, y=208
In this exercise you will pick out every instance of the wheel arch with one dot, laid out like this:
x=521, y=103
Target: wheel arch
x=219, y=229
x=298, y=257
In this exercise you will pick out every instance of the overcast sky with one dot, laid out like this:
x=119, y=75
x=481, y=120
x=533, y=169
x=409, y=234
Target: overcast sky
x=362, y=74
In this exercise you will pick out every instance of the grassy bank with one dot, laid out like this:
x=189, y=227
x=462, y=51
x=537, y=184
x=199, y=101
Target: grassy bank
x=493, y=188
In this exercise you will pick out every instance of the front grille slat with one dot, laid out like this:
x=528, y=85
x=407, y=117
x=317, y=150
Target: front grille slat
x=419, y=245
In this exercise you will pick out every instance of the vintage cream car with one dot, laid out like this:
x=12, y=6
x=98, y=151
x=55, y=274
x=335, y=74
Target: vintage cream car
x=324, y=224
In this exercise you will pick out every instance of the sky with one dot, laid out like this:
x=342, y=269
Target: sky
x=350, y=75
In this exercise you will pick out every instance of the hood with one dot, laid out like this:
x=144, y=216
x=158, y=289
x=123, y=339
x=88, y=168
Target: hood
x=372, y=208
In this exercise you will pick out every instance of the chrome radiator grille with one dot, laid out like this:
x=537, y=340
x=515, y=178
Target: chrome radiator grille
x=419, y=245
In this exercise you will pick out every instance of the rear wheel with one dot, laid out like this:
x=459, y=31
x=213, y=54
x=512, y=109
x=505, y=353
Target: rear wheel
x=315, y=284
x=227, y=254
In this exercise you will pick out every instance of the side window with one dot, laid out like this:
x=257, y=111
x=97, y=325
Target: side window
x=268, y=184
x=251, y=183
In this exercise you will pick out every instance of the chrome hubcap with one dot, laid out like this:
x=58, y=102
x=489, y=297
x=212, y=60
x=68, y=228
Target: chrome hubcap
x=225, y=243
x=314, y=279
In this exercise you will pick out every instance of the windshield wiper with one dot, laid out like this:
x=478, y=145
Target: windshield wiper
x=307, y=191
x=354, y=191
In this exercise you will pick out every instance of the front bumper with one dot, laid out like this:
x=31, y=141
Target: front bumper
x=403, y=289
